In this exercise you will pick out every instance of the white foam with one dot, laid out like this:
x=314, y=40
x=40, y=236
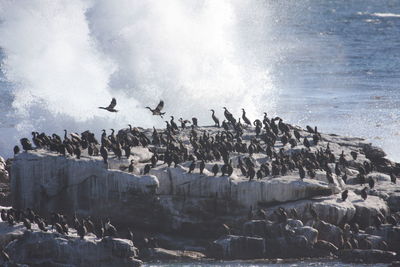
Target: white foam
x=66, y=58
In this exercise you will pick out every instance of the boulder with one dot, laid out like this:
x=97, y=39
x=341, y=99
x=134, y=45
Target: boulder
x=367, y=256
x=390, y=234
x=373, y=153
x=167, y=254
x=326, y=246
x=237, y=247
x=51, y=249
x=329, y=232
x=311, y=234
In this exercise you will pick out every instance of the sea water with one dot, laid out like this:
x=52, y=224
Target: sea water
x=330, y=63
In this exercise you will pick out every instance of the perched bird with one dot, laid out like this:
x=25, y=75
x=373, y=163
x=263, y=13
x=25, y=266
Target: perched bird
x=157, y=110
x=16, y=150
x=393, y=178
x=371, y=183
x=192, y=166
x=364, y=193
x=81, y=230
x=215, y=169
x=215, y=119
x=111, y=107
x=26, y=144
x=345, y=194
x=202, y=166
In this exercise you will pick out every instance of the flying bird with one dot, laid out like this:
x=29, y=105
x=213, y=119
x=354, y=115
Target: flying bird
x=111, y=107
x=157, y=110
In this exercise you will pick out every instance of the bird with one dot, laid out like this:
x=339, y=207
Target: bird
x=82, y=230
x=245, y=119
x=302, y=173
x=215, y=169
x=192, y=166
x=364, y=193
x=345, y=194
x=26, y=144
x=111, y=107
x=16, y=150
x=393, y=178
x=202, y=166
x=371, y=183
x=157, y=110
x=215, y=119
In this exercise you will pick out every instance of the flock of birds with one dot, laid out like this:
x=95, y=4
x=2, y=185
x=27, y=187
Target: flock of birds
x=202, y=148
x=59, y=223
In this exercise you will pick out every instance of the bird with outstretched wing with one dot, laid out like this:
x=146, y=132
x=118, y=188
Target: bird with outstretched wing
x=112, y=105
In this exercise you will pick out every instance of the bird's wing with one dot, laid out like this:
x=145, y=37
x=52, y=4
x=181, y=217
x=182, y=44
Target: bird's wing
x=160, y=106
x=113, y=103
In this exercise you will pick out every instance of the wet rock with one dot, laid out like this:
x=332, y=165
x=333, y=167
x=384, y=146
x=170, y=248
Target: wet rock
x=373, y=152
x=166, y=254
x=237, y=247
x=308, y=232
x=367, y=256
x=326, y=246
x=329, y=232
x=50, y=249
x=390, y=234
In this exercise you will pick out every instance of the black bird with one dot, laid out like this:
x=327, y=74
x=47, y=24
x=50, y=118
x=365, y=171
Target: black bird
x=192, y=166
x=364, y=193
x=146, y=169
x=215, y=169
x=130, y=167
x=354, y=154
x=393, y=178
x=110, y=229
x=157, y=110
x=16, y=150
x=297, y=135
x=104, y=153
x=245, y=119
x=345, y=194
x=81, y=230
x=26, y=144
x=111, y=107
x=302, y=173
x=306, y=143
x=202, y=166
x=371, y=183
x=27, y=223
x=215, y=119
x=194, y=121
x=42, y=226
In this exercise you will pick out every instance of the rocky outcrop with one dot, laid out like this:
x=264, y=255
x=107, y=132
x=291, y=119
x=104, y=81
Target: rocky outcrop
x=37, y=248
x=367, y=256
x=45, y=249
x=45, y=183
x=237, y=247
x=240, y=213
